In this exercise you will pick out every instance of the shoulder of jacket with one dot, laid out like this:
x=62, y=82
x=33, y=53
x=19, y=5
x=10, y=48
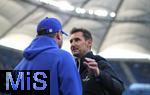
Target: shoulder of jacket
x=99, y=58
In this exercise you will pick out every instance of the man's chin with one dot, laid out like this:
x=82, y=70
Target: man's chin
x=76, y=54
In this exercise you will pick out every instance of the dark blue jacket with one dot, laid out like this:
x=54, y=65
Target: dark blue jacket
x=107, y=83
x=44, y=54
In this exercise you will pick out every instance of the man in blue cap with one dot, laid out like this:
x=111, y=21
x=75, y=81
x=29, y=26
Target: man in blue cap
x=44, y=53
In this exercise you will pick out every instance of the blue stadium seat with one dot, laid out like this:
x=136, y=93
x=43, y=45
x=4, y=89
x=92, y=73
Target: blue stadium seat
x=138, y=89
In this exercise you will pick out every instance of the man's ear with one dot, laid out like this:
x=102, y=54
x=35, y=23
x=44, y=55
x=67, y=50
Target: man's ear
x=89, y=42
x=58, y=36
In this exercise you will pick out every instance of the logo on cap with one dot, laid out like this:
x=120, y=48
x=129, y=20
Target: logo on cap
x=50, y=30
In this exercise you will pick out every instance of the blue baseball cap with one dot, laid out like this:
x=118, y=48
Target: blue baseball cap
x=50, y=25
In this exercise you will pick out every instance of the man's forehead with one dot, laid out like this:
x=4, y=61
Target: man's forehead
x=76, y=36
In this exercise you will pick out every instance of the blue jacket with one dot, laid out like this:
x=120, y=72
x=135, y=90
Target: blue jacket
x=44, y=54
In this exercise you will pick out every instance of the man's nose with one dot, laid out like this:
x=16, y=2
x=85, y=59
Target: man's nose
x=73, y=43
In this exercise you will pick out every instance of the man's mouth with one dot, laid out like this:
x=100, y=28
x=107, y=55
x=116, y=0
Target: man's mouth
x=74, y=49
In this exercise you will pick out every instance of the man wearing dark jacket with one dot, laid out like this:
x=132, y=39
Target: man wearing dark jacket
x=44, y=53
x=97, y=76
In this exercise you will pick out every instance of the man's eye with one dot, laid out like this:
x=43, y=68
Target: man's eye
x=77, y=39
x=70, y=41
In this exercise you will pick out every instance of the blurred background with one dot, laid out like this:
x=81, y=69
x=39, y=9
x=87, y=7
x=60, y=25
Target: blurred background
x=120, y=29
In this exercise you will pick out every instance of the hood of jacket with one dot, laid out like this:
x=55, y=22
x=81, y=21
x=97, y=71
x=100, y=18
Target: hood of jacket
x=38, y=45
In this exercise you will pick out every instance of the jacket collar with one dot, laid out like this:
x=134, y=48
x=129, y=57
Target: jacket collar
x=88, y=55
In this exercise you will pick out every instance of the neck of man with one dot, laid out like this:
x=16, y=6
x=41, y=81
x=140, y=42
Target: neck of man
x=83, y=54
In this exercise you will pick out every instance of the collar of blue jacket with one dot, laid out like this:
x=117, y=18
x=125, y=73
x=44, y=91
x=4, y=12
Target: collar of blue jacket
x=38, y=45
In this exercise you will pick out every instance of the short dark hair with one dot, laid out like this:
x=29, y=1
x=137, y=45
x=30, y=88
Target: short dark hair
x=86, y=34
x=43, y=32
